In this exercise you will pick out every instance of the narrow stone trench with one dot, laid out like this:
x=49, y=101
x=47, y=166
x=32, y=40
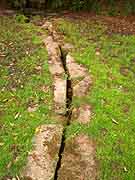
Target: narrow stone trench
x=69, y=94
x=69, y=89
x=54, y=157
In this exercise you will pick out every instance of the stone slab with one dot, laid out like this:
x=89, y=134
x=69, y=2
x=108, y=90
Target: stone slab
x=42, y=160
x=48, y=26
x=57, y=70
x=55, y=62
x=52, y=47
x=78, y=160
x=60, y=95
x=82, y=88
x=75, y=70
x=82, y=114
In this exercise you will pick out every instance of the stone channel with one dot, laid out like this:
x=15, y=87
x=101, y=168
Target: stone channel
x=53, y=157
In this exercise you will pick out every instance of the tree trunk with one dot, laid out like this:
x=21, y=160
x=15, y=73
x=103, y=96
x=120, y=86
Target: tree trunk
x=3, y=3
x=46, y=4
x=28, y=4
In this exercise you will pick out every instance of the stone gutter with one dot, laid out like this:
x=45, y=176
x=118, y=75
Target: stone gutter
x=72, y=159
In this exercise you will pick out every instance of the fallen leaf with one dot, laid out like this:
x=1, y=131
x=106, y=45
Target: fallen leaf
x=17, y=177
x=2, y=55
x=5, y=100
x=97, y=53
x=13, y=178
x=38, y=68
x=1, y=144
x=9, y=165
x=114, y=121
x=45, y=88
x=11, y=124
x=17, y=115
x=33, y=108
x=37, y=130
x=27, y=52
x=125, y=169
x=31, y=115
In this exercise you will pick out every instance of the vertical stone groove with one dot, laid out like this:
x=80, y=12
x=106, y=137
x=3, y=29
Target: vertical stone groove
x=63, y=64
x=69, y=94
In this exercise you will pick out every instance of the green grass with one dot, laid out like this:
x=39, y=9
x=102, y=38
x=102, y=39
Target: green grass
x=112, y=95
x=23, y=72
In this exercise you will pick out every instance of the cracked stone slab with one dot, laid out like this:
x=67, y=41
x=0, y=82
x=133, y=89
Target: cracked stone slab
x=43, y=158
x=78, y=160
x=75, y=70
x=82, y=114
x=48, y=26
x=60, y=95
x=82, y=87
x=55, y=68
x=58, y=73
x=55, y=64
x=66, y=48
x=51, y=28
x=52, y=48
x=59, y=118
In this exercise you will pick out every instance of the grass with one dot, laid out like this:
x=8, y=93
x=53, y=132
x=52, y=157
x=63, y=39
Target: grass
x=110, y=59
x=24, y=72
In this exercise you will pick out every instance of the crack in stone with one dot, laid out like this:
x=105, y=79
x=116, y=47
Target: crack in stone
x=75, y=158
x=69, y=94
x=43, y=157
x=62, y=147
x=72, y=71
x=69, y=88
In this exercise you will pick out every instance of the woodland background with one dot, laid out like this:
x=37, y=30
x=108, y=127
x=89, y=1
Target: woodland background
x=113, y=7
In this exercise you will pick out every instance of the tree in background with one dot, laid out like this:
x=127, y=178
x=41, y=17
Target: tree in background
x=77, y=5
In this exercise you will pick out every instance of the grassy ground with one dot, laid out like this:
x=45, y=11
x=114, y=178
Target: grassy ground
x=25, y=95
x=111, y=61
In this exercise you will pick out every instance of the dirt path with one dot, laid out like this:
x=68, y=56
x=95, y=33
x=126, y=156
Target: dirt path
x=54, y=157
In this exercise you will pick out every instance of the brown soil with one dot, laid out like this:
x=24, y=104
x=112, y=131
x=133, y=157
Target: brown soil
x=124, y=71
x=115, y=24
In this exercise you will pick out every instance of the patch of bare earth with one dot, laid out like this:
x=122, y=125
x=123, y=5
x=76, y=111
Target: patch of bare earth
x=78, y=160
x=115, y=24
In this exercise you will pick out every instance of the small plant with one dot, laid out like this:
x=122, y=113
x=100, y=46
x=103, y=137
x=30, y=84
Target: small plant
x=21, y=19
x=55, y=4
x=112, y=11
x=77, y=5
x=129, y=7
x=94, y=6
x=18, y=4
